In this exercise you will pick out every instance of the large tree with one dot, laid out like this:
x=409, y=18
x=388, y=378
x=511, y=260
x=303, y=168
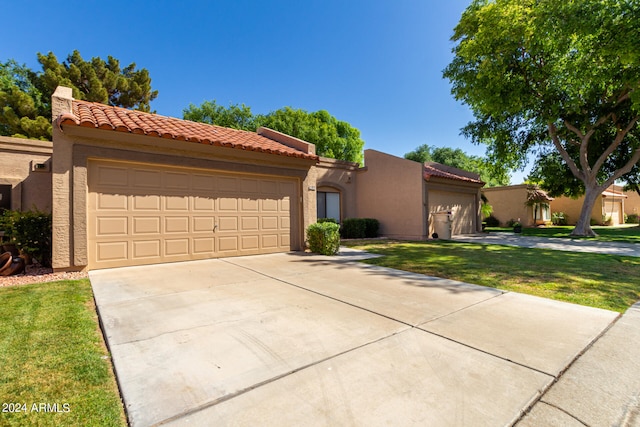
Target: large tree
x=25, y=95
x=333, y=138
x=492, y=175
x=559, y=77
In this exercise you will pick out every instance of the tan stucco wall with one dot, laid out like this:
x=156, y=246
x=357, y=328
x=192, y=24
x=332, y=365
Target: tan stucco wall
x=510, y=203
x=31, y=186
x=632, y=203
x=572, y=207
x=74, y=146
x=339, y=176
x=391, y=190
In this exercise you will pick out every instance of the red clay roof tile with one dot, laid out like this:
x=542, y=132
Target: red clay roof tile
x=101, y=116
x=432, y=169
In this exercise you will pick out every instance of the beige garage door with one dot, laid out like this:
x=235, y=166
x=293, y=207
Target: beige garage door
x=462, y=205
x=144, y=214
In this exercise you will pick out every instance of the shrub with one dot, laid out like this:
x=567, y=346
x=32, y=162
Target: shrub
x=512, y=222
x=353, y=228
x=30, y=231
x=324, y=238
x=559, y=218
x=323, y=220
x=371, y=227
x=633, y=219
x=360, y=228
x=492, y=221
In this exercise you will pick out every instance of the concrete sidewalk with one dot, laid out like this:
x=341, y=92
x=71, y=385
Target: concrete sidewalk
x=556, y=244
x=299, y=339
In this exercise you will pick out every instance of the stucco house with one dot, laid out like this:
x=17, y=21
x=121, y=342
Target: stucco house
x=130, y=188
x=525, y=203
x=609, y=207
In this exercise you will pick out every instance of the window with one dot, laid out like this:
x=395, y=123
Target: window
x=329, y=205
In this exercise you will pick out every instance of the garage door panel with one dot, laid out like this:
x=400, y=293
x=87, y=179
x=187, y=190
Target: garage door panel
x=146, y=225
x=176, y=247
x=228, y=223
x=112, y=226
x=147, y=179
x=250, y=243
x=144, y=214
x=176, y=224
x=176, y=203
x=463, y=206
x=249, y=205
x=204, y=245
x=112, y=251
x=146, y=203
x=112, y=176
x=250, y=223
x=202, y=224
x=146, y=249
x=227, y=204
x=228, y=244
x=204, y=204
x=270, y=241
x=176, y=181
x=112, y=202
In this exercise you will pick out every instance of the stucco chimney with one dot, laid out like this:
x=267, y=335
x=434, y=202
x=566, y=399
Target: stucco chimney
x=61, y=101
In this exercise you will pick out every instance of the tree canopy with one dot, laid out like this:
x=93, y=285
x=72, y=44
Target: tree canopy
x=25, y=95
x=493, y=176
x=557, y=78
x=333, y=138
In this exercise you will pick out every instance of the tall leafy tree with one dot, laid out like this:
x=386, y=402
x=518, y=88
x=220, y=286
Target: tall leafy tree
x=493, y=175
x=22, y=110
x=234, y=116
x=25, y=95
x=333, y=138
x=561, y=78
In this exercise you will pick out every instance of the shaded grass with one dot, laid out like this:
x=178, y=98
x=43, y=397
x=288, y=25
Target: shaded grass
x=51, y=352
x=604, y=281
x=605, y=234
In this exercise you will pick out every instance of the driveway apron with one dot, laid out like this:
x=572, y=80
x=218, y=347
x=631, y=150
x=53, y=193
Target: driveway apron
x=293, y=339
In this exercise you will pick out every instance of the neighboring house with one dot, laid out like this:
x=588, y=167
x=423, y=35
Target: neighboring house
x=25, y=174
x=524, y=203
x=609, y=207
x=404, y=196
x=632, y=203
x=130, y=188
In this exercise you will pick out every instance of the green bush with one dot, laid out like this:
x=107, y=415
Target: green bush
x=324, y=238
x=360, y=228
x=492, y=221
x=559, y=218
x=30, y=231
x=322, y=220
x=633, y=219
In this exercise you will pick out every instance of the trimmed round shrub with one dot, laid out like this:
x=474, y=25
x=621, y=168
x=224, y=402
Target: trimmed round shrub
x=324, y=238
x=492, y=221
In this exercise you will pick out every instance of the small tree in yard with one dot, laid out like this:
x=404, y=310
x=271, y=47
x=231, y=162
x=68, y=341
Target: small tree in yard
x=561, y=78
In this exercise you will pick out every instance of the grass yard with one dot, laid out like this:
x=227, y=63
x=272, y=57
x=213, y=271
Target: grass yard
x=604, y=281
x=55, y=369
x=627, y=234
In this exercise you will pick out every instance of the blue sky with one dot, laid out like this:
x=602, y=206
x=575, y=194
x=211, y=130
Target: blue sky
x=376, y=64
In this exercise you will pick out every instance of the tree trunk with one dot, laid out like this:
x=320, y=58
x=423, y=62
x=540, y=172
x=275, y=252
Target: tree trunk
x=583, y=226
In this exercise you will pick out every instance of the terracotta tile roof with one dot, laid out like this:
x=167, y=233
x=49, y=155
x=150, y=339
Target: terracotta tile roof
x=433, y=169
x=101, y=116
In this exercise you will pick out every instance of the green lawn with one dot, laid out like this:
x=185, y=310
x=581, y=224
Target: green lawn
x=607, y=234
x=54, y=367
x=604, y=281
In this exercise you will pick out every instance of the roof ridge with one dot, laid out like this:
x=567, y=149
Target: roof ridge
x=108, y=117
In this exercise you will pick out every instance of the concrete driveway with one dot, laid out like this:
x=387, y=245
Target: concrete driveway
x=298, y=339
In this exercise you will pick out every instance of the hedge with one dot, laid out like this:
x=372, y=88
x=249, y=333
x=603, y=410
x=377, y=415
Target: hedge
x=324, y=238
x=360, y=228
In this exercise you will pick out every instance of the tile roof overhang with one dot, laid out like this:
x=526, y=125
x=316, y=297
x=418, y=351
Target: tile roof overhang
x=437, y=170
x=100, y=116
